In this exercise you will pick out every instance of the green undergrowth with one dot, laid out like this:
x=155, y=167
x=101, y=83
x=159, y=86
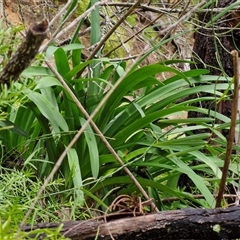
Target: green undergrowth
x=39, y=119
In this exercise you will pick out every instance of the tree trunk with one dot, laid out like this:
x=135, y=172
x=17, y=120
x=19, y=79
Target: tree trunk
x=212, y=50
x=178, y=224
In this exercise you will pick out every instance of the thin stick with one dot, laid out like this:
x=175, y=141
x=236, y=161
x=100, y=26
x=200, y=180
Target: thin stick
x=156, y=9
x=58, y=15
x=232, y=128
x=165, y=30
x=78, y=19
x=107, y=36
x=2, y=9
x=200, y=196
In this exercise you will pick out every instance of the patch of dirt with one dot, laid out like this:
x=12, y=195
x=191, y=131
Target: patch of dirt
x=19, y=12
x=12, y=17
x=28, y=11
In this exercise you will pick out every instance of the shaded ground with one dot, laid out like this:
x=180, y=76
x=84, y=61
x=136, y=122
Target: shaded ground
x=28, y=11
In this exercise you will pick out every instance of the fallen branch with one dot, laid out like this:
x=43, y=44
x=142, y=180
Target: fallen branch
x=179, y=224
x=25, y=53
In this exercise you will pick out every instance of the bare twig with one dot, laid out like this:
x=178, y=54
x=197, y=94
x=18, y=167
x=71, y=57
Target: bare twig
x=185, y=17
x=142, y=7
x=232, y=128
x=60, y=13
x=200, y=196
x=78, y=19
x=141, y=30
x=44, y=47
x=156, y=9
x=2, y=9
x=106, y=37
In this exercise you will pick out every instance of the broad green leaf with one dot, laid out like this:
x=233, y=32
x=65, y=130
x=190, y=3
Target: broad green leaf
x=198, y=181
x=202, y=157
x=49, y=94
x=129, y=82
x=46, y=82
x=99, y=201
x=6, y=124
x=73, y=46
x=144, y=182
x=33, y=71
x=61, y=61
x=48, y=111
x=75, y=170
x=92, y=147
x=76, y=54
x=140, y=123
x=81, y=66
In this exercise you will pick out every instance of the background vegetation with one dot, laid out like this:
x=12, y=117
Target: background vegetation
x=99, y=121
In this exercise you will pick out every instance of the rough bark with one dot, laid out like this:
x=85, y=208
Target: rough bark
x=25, y=53
x=212, y=50
x=178, y=224
x=218, y=37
